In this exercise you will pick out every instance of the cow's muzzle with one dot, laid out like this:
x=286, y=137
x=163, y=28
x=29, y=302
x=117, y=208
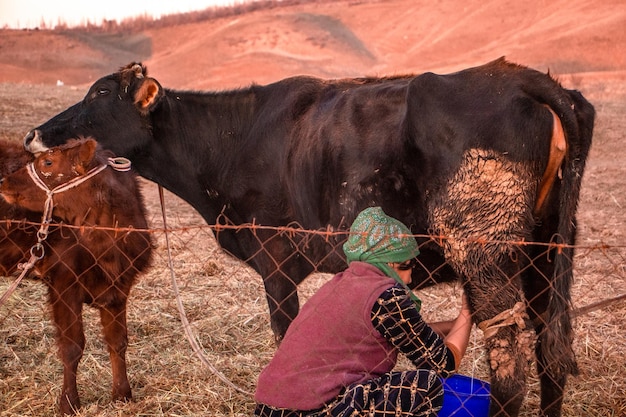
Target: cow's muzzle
x=33, y=142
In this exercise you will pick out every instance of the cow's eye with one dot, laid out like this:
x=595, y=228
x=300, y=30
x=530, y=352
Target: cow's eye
x=47, y=162
x=103, y=91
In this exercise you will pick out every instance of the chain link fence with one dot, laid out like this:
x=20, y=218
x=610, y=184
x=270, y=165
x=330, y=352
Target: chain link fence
x=224, y=303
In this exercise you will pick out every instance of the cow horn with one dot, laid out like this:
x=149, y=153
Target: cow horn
x=138, y=70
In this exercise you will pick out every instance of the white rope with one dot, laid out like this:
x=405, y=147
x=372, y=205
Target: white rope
x=181, y=309
x=515, y=315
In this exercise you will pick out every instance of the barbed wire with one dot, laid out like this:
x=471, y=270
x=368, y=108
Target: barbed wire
x=613, y=255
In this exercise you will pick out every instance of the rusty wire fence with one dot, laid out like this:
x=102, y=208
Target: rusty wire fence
x=224, y=303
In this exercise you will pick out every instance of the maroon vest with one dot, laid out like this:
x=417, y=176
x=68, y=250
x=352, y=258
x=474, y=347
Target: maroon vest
x=331, y=343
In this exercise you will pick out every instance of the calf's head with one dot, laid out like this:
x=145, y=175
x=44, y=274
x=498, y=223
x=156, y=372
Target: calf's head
x=54, y=167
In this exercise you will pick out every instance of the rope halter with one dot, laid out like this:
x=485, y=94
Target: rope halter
x=119, y=164
x=37, y=251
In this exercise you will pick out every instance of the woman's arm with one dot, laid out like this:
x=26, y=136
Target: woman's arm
x=395, y=317
x=442, y=328
x=458, y=336
x=456, y=333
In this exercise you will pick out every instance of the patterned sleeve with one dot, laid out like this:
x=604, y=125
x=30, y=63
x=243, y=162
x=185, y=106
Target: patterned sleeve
x=394, y=315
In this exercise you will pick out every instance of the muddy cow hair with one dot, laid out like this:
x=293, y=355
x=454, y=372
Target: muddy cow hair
x=80, y=264
x=484, y=158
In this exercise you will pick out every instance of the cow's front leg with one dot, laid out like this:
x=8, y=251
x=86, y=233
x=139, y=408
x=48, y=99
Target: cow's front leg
x=282, y=298
x=282, y=271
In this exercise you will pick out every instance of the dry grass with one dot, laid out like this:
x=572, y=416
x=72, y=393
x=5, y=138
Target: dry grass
x=226, y=306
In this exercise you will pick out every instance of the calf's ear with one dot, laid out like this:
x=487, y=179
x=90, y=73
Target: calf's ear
x=85, y=153
x=148, y=95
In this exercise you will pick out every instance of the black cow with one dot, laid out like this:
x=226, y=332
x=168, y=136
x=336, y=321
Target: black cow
x=478, y=157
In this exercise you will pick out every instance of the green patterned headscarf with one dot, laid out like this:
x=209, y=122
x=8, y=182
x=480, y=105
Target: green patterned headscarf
x=378, y=239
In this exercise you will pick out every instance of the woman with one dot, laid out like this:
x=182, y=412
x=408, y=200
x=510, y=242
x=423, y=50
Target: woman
x=336, y=358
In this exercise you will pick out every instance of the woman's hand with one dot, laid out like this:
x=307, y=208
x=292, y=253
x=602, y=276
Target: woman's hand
x=458, y=337
x=443, y=328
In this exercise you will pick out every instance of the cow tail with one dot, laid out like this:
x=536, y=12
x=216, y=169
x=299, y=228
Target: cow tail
x=577, y=117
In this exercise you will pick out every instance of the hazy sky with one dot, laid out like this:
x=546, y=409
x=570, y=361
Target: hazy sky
x=20, y=14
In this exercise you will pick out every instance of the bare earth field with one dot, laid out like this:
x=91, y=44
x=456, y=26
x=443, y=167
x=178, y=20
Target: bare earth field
x=581, y=42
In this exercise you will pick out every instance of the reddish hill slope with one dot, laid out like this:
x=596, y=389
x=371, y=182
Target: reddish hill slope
x=336, y=39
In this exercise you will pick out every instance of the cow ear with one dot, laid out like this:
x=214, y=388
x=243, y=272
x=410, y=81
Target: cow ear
x=147, y=95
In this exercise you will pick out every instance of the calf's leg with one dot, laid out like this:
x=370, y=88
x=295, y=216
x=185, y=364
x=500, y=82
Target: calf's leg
x=67, y=315
x=113, y=319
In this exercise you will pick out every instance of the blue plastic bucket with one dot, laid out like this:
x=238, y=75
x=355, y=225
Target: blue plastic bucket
x=464, y=396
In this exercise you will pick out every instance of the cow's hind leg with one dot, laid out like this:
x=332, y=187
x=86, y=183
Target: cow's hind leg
x=67, y=315
x=552, y=385
x=500, y=311
x=482, y=214
x=113, y=318
x=538, y=290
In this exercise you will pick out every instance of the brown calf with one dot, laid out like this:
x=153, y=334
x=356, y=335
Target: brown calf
x=95, y=266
